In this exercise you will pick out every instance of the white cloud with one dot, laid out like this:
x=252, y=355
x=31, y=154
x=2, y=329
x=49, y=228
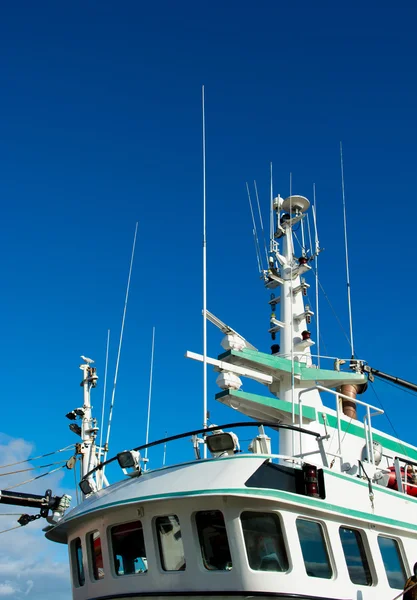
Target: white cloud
x=30, y=566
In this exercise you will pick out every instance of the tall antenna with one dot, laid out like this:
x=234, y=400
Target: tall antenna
x=316, y=268
x=149, y=396
x=204, y=272
x=120, y=347
x=104, y=392
x=271, y=215
x=347, y=254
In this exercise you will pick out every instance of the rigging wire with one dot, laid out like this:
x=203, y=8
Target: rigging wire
x=10, y=529
x=255, y=233
x=34, y=478
x=59, y=462
x=261, y=221
x=120, y=346
x=31, y=458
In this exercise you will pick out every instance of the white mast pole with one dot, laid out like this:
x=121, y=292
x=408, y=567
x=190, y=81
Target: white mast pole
x=347, y=254
x=316, y=268
x=106, y=449
x=204, y=274
x=100, y=473
x=149, y=397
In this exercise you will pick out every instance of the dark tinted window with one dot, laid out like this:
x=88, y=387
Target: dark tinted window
x=355, y=556
x=213, y=540
x=78, y=560
x=393, y=563
x=128, y=545
x=264, y=542
x=171, y=549
x=96, y=555
x=313, y=546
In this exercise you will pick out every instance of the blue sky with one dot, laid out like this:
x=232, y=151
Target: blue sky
x=100, y=127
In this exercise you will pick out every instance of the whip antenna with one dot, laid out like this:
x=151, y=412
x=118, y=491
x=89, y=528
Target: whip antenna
x=346, y=253
x=316, y=268
x=262, y=223
x=255, y=233
x=120, y=347
x=204, y=272
x=149, y=396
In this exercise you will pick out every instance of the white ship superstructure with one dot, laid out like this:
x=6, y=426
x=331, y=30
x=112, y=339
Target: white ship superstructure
x=330, y=515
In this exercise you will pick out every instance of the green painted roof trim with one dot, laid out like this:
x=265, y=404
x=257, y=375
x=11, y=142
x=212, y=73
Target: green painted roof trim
x=280, y=405
x=267, y=494
x=284, y=364
x=387, y=443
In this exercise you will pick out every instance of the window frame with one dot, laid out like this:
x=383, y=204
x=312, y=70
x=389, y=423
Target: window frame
x=401, y=557
x=367, y=555
x=77, y=568
x=202, y=558
x=158, y=545
x=277, y=515
x=91, y=556
x=112, y=554
x=327, y=547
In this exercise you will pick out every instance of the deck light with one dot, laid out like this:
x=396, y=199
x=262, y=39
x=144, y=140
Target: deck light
x=220, y=443
x=75, y=428
x=87, y=486
x=129, y=459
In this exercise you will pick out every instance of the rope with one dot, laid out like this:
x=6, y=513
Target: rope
x=19, y=462
x=11, y=529
x=60, y=462
x=34, y=478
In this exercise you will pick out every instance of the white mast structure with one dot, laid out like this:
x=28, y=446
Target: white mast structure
x=204, y=273
x=285, y=271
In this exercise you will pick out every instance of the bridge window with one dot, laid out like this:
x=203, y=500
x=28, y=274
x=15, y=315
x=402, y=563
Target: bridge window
x=355, y=556
x=77, y=559
x=171, y=549
x=129, y=552
x=213, y=540
x=96, y=554
x=264, y=541
x=394, y=566
x=313, y=547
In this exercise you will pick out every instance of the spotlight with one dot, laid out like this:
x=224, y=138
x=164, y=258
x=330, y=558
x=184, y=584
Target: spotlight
x=222, y=443
x=71, y=415
x=75, y=428
x=87, y=486
x=129, y=459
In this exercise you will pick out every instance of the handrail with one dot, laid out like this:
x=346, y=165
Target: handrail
x=205, y=430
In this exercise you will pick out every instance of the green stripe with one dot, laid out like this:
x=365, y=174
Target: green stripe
x=270, y=402
x=255, y=492
x=386, y=443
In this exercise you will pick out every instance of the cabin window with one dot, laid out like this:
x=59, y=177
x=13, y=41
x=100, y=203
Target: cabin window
x=355, y=556
x=213, y=540
x=96, y=553
x=394, y=566
x=77, y=556
x=128, y=546
x=171, y=549
x=264, y=541
x=313, y=547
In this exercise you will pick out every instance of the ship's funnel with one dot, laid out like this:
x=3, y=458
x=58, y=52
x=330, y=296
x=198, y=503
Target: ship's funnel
x=349, y=406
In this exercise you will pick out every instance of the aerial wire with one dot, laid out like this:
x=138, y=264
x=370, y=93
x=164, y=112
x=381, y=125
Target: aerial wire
x=255, y=233
x=120, y=347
